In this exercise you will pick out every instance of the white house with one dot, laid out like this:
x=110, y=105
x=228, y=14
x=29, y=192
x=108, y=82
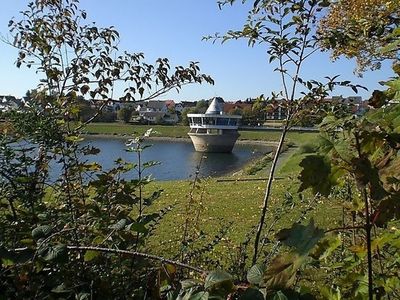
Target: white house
x=8, y=103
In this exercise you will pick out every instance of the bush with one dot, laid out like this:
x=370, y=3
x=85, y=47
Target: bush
x=106, y=117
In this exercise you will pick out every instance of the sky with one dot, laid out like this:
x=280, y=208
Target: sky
x=174, y=29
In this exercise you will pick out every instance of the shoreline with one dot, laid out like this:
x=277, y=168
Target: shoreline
x=178, y=139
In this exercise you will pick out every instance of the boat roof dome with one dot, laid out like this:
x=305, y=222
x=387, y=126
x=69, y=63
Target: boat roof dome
x=216, y=106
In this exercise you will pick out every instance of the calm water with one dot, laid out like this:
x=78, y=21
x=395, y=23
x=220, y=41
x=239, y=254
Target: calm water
x=178, y=159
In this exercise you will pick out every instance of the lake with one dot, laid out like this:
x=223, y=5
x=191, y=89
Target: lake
x=178, y=158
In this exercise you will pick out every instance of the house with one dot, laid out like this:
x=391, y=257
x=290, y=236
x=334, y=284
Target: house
x=276, y=110
x=152, y=117
x=157, y=111
x=8, y=103
x=179, y=107
x=157, y=106
x=355, y=103
x=231, y=106
x=170, y=104
x=188, y=104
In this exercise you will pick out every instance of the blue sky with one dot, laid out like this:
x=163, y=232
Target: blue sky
x=174, y=29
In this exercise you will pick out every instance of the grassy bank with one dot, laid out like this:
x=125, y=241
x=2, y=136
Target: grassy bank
x=234, y=205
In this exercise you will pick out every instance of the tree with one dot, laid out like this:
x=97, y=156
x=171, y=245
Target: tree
x=288, y=31
x=359, y=29
x=201, y=106
x=185, y=119
x=125, y=114
x=61, y=234
x=249, y=117
x=236, y=111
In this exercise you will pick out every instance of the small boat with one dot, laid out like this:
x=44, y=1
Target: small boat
x=214, y=131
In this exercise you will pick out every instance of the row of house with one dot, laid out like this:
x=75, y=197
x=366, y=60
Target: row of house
x=155, y=111
x=169, y=111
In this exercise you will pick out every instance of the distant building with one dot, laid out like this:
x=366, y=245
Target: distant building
x=8, y=103
x=179, y=107
x=157, y=111
x=188, y=104
x=231, y=106
x=276, y=110
x=157, y=106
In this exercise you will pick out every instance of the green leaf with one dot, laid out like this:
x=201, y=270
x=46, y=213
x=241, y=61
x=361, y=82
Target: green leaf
x=366, y=173
x=91, y=255
x=378, y=99
x=255, y=274
x=42, y=231
x=62, y=289
x=281, y=272
x=137, y=227
x=83, y=296
x=387, y=210
x=301, y=238
x=74, y=139
x=57, y=253
x=189, y=283
x=252, y=294
x=279, y=296
x=315, y=174
x=219, y=281
x=200, y=296
x=148, y=201
x=9, y=258
x=326, y=246
x=119, y=225
x=150, y=164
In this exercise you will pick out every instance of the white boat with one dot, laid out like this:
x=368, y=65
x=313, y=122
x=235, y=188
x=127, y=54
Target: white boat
x=214, y=131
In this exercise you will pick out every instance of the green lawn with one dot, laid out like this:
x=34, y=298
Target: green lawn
x=237, y=203
x=129, y=129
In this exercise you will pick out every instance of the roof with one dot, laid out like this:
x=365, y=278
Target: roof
x=188, y=103
x=215, y=107
x=152, y=114
x=170, y=103
x=156, y=104
x=242, y=105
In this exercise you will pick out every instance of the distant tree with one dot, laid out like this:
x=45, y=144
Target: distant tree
x=236, y=111
x=185, y=112
x=106, y=117
x=171, y=109
x=159, y=120
x=249, y=117
x=201, y=106
x=125, y=114
x=85, y=110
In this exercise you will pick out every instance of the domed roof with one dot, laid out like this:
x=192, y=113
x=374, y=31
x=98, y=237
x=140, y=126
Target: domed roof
x=215, y=108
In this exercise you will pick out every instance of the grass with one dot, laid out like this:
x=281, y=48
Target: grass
x=129, y=129
x=237, y=204
x=233, y=204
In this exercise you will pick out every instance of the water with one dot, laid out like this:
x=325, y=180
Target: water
x=178, y=159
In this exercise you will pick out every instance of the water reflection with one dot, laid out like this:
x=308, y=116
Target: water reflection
x=215, y=164
x=178, y=159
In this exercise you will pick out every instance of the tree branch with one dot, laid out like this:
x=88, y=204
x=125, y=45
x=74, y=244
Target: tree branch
x=134, y=253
